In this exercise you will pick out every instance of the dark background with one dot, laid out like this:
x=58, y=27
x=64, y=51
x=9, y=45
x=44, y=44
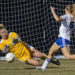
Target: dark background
x=33, y=21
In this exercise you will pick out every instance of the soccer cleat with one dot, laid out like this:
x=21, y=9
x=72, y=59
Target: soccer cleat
x=55, y=61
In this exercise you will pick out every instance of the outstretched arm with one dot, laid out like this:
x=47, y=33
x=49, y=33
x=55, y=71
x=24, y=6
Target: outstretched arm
x=57, y=18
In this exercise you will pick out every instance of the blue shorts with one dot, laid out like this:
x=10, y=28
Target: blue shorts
x=62, y=42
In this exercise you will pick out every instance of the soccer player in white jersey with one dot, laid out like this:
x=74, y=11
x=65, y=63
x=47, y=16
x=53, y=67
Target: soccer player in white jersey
x=67, y=26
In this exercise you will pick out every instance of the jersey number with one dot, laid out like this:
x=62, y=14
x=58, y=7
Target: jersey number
x=71, y=25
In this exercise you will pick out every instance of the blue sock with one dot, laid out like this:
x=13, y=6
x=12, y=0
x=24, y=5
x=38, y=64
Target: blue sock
x=48, y=60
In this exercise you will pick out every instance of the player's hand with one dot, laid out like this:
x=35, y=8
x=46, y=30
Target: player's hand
x=52, y=8
x=6, y=49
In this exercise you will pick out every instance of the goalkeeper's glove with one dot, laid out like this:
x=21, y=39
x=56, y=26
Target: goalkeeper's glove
x=6, y=49
x=15, y=41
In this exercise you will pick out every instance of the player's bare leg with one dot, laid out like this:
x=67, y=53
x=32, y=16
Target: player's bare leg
x=43, y=56
x=53, y=49
x=66, y=52
x=34, y=62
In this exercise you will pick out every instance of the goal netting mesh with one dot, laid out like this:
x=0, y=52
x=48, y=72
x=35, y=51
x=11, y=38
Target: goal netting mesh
x=34, y=22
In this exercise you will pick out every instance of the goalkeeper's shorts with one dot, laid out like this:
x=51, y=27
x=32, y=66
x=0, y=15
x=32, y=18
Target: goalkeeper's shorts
x=62, y=42
x=26, y=56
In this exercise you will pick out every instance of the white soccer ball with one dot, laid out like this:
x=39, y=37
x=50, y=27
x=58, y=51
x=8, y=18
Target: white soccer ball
x=10, y=57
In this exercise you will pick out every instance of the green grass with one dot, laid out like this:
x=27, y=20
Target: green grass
x=67, y=67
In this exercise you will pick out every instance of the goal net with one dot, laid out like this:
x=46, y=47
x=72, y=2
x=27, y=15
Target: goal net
x=33, y=21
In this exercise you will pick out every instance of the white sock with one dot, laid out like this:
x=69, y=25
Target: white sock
x=45, y=63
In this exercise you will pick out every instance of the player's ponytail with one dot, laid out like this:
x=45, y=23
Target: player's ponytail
x=69, y=8
x=73, y=10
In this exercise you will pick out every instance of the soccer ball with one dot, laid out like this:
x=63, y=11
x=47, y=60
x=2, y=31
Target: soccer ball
x=10, y=57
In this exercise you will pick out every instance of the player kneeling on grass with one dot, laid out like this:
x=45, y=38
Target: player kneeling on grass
x=12, y=43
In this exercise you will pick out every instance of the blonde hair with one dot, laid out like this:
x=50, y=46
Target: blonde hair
x=1, y=25
x=68, y=8
x=71, y=9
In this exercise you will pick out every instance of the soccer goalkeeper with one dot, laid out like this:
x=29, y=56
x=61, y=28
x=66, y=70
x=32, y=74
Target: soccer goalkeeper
x=12, y=43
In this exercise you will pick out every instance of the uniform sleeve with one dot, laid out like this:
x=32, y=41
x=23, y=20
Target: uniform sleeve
x=64, y=17
x=13, y=34
x=1, y=46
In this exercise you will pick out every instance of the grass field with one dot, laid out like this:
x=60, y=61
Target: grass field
x=67, y=67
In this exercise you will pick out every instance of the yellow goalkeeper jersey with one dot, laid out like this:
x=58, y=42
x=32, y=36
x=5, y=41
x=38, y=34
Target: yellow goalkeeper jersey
x=20, y=49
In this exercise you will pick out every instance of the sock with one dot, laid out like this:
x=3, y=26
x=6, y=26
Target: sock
x=45, y=63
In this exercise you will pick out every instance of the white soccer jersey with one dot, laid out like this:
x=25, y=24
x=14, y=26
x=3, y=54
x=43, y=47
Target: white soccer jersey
x=67, y=25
